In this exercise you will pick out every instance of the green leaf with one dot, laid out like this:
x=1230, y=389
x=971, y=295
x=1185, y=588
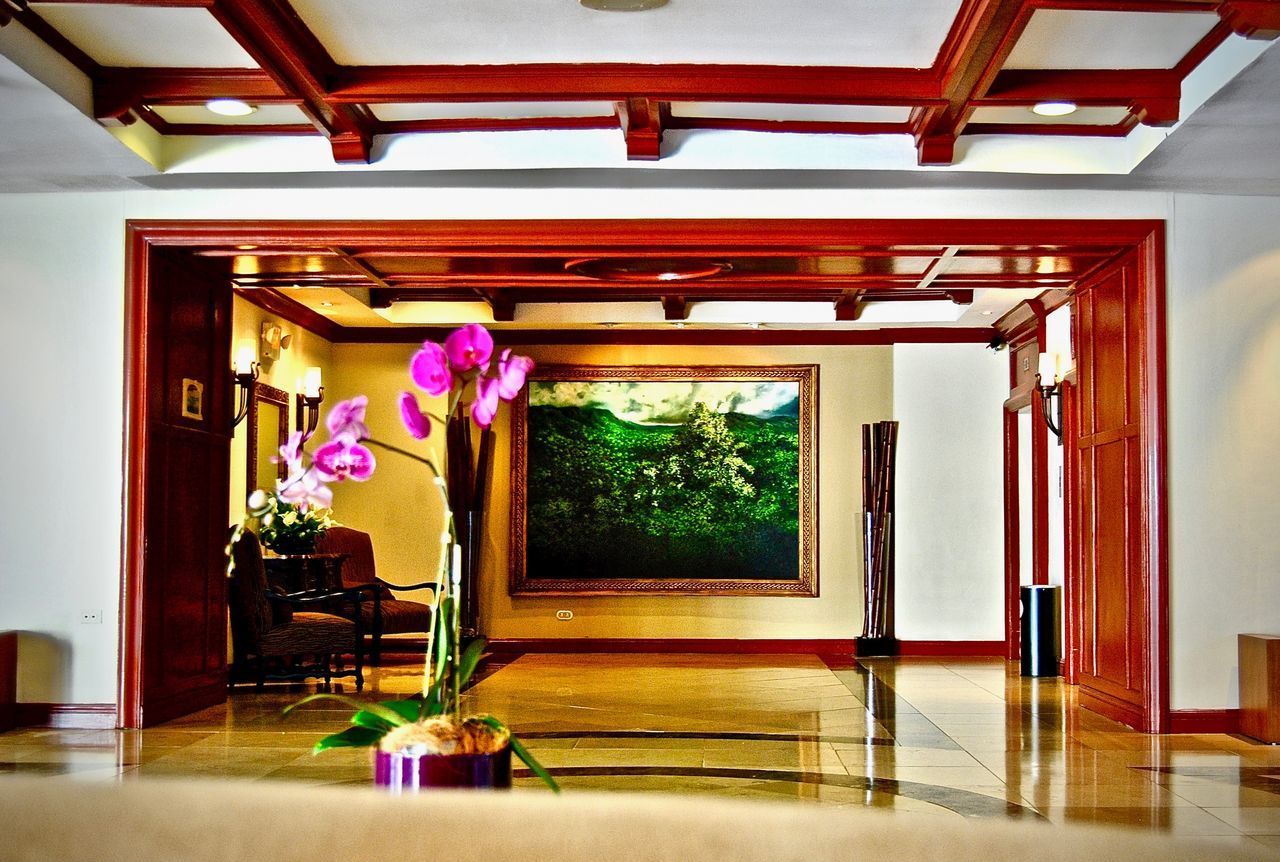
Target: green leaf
x=364, y=718
x=521, y=752
x=406, y=709
x=470, y=658
x=443, y=642
x=352, y=737
x=390, y=716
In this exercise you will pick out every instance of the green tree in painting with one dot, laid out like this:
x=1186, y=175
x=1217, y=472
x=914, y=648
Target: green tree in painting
x=716, y=496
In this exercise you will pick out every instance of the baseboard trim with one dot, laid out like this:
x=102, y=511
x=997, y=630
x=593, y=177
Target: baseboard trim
x=1112, y=707
x=952, y=649
x=728, y=646
x=76, y=716
x=1204, y=721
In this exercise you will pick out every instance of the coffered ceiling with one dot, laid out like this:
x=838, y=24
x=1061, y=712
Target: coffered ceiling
x=933, y=72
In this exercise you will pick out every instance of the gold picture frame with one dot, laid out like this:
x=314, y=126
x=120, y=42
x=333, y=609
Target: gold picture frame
x=578, y=573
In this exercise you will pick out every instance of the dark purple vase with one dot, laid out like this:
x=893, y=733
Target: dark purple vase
x=401, y=772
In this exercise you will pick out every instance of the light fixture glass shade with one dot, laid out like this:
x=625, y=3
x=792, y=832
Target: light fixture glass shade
x=311, y=383
x=246, y=354
x=1048, y=369
x=230, y=107
x=1054, y=109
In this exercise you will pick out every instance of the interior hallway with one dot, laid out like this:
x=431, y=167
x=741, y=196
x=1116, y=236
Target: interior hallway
x=937, y=738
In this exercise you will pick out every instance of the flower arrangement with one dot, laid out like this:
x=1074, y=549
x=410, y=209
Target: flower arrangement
x=431, y=722
x=291, y=528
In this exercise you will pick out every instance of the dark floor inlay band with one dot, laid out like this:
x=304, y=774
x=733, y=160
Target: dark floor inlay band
x=963, y=802
x=700, y=734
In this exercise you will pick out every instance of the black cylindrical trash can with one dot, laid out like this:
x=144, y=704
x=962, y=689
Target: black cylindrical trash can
x=1040, y=630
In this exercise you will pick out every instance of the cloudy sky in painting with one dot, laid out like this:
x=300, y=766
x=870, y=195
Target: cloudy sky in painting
x=668, y=402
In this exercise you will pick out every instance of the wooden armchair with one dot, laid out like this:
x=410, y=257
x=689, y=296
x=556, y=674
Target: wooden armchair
x=385, y=614
x=267, y=631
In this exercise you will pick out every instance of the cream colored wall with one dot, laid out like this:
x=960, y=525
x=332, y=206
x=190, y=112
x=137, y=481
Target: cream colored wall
x=61, y=285
x=399, y=509
x=305, y=350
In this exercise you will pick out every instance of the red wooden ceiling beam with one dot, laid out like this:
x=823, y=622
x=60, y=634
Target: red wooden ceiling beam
x=675, y=308
x=1253, y=19
x=1151, y=95
x=642, y=127
x=273, y=34
x=118, y=92
x=850, y=305
x=982, y=37
x=608, y=82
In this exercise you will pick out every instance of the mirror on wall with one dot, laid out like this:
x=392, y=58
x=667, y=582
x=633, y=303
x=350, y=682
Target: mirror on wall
x=268, y=431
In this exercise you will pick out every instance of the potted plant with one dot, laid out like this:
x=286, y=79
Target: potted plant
x=425, y=740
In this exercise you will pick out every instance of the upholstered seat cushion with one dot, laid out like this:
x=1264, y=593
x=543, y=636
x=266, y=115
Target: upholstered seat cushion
x=310, y=632
x=400, y=616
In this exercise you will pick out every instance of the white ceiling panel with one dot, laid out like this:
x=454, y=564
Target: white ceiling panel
x=266, y=115
x=1076, y=39
x=150, y=36
x=1026, y=117
x=830, y=32
x=811, y=113
x=487, y=110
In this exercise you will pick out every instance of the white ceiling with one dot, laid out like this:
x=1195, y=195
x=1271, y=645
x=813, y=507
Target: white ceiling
x=487, y=110
x=265, y=115
x=1076, y=39
x=828, y=32
x=1020, y=115
x=151, y=36
x=819, y=113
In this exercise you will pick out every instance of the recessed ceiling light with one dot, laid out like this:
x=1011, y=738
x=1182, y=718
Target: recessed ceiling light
x=1053, y=109
x=246, y=247
x=328, y=304
x=622, y=5
x=230, y=107
x=986, y=314
x=754, y=325
x=679, y=324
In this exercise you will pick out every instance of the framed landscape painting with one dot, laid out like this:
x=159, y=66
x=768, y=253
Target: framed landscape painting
x=663, y=479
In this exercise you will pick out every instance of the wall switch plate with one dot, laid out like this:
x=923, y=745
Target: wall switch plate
x=91, y=616
x=564, y=615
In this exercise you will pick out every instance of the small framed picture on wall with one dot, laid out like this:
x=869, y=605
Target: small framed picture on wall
x=192, y=399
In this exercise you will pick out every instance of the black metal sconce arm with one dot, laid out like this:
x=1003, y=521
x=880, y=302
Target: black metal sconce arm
x=1051, y=411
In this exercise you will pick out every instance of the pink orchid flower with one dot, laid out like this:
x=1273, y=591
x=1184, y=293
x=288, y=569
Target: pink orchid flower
x=291, y=452
x=343, y=458
x=469, y=347
x=485, y=407
x=305, y=488
x=415, y=422
x=429, y=369
x=512, y=372
x=346, y=419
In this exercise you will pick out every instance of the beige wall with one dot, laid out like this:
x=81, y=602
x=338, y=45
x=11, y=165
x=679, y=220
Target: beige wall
x=398, y=508
x=305, y=350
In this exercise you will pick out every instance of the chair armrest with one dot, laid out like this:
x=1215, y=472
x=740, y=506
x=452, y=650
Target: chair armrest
x=309, y=597
x=425, y=585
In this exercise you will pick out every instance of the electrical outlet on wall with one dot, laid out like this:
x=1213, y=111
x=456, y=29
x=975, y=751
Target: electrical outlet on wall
x=564, y=616
x=91, y=616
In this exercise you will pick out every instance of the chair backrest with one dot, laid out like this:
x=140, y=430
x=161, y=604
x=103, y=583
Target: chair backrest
x=247, y=596
x=358, y=568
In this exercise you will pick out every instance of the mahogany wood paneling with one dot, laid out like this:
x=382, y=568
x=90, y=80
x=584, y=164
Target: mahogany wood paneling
x=1204, y=721
x=68, y=716
x=1012, y=540
x=180, y=584
x=1118, y=519
x=8, y=680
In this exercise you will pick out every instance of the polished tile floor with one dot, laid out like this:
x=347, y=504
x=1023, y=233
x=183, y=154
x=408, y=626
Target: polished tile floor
x=927, y=738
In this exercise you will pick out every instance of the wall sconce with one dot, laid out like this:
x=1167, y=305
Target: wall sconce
x=309, y=398
x=244, y=370
x=1050, y=387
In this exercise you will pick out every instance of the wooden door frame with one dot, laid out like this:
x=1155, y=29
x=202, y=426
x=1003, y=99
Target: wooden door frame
x=1146, y=235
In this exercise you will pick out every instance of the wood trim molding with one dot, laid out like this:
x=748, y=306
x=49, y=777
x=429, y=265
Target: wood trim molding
x=274, y=302
x=1204, y=721
x=722, y=646
x=86, y=716
x=952, y=649
x=686, y=336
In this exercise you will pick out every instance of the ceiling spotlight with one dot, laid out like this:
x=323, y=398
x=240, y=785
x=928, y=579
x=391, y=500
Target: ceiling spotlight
x=328, y=304
x=1053, y=109
x=246, y=247
x=986, y=314
x=230, y=107
x=679, y=324
x=754, y=325
x=622, y=5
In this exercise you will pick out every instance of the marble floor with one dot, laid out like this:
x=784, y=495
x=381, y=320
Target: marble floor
x=927, y=738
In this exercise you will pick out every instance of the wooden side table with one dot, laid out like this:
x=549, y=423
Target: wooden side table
x=1260, y=686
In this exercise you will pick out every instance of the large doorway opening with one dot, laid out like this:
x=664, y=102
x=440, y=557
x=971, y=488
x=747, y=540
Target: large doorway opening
x=172, y=627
